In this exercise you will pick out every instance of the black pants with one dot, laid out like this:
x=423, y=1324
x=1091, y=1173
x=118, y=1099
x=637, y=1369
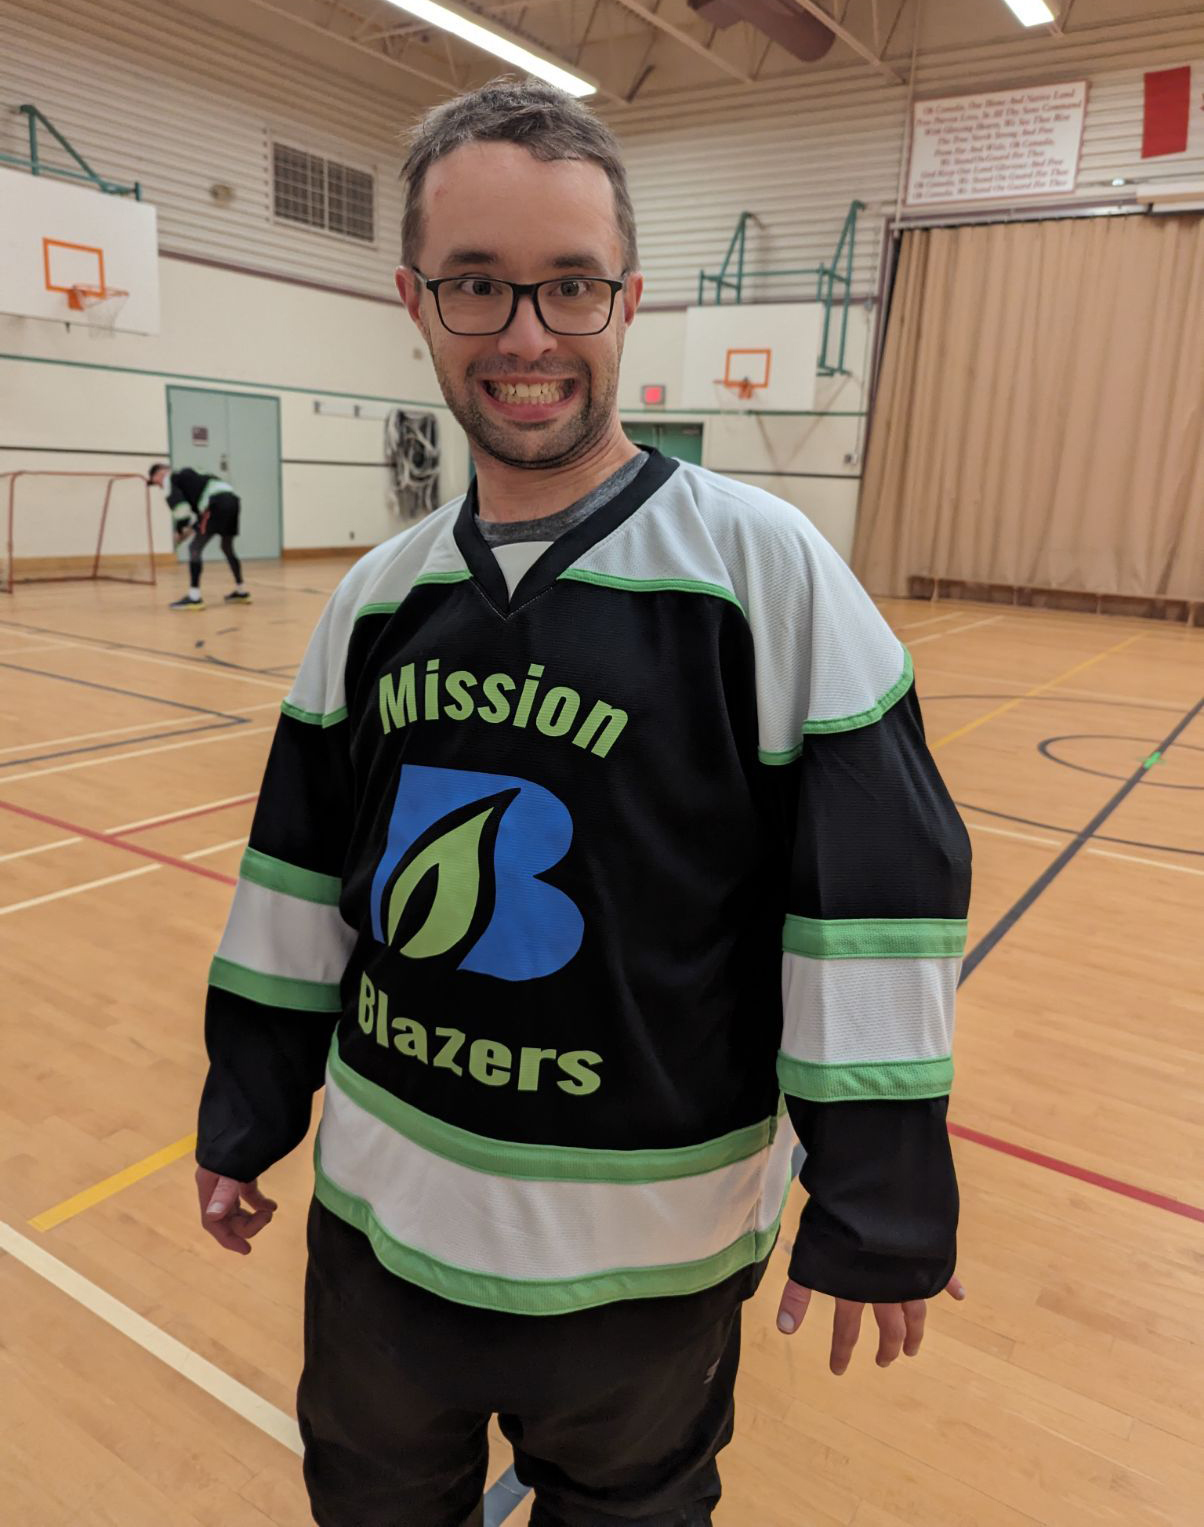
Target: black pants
x=219, y=519
x=399, y=1386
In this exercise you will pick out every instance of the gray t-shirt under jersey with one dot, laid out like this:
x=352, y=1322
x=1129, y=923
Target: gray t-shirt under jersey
x=550, y=526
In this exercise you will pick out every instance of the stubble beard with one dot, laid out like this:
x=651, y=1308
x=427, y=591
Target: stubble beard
x=555, y=444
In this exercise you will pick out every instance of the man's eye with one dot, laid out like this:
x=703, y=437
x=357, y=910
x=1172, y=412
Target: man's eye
x=477, y=286
x=573, y=287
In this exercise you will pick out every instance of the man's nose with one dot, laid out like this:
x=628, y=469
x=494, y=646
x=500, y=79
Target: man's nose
x=525, y=336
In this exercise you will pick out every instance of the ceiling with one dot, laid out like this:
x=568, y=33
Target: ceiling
x=636, y=50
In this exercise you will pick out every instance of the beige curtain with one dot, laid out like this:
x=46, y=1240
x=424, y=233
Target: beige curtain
x=1040, y=418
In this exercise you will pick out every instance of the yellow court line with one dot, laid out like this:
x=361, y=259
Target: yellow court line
x=119, y=1180
x=972, y=726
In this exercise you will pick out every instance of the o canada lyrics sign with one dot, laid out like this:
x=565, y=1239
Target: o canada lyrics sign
x=996, y=147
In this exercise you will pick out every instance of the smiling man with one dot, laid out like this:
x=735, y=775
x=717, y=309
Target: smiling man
x=599, y=818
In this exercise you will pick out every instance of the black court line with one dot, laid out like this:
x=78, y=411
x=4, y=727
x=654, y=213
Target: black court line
x=1102, y=837
x=507, y=1492
x=103, y=644
x=1047, y=745
x=229, y=723
x=112, y=689
x=1080, y=840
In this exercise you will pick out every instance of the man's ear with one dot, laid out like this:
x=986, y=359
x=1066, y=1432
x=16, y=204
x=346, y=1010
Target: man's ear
x=409, y=289
x=633, y=295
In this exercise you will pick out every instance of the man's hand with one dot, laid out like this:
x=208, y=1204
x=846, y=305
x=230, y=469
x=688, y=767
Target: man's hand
x=227, y=1222
x=900, y=1326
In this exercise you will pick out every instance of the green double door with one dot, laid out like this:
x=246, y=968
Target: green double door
x=670, y=438
x=234, y=436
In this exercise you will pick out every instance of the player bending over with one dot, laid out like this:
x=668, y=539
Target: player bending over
x=202, y=506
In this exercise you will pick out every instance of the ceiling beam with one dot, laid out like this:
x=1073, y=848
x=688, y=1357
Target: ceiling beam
x=385, y=38
x=349, y=42
x=685, y=39
x=859, y=47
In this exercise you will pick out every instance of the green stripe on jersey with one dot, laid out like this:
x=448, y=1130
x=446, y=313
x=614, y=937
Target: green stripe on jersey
x=313, y=717
x=651, y=585
x=785, y=756
x=875, y=938
x=545, y=1163
x=275, y=991
x=279, y=875
x=875, y=712
x=898, y=1080
x=540, y=1296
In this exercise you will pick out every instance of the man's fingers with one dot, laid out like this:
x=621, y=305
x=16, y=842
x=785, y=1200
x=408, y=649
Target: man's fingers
x=252, y=1224
x=795, y=1299
x=227, y=1235
x=846, y=1327
x=223, y=1199
x=892, y=1329
x=257, y=1199
x=956, y=1287
x=915, y=1312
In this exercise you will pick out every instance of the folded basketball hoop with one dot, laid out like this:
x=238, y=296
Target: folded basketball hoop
x=101, y=303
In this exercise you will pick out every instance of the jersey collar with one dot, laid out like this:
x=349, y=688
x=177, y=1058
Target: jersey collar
x=566, y=549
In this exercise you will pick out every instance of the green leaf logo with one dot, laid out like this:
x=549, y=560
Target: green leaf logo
x=455, y=859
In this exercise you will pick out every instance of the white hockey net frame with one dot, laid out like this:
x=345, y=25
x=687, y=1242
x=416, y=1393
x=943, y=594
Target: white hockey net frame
x=10, y=504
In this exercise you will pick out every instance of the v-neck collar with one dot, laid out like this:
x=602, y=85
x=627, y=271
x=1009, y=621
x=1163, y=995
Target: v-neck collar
x=566, y=549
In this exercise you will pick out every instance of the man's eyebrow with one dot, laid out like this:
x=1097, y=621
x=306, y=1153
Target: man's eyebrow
x=576, y=262
x=473, y=257
x=571, y=260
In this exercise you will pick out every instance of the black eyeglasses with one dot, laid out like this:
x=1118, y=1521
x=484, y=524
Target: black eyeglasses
x=568, y=305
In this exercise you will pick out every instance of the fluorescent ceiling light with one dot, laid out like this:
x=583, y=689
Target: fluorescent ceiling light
x=1032, y=13
x=462, y=25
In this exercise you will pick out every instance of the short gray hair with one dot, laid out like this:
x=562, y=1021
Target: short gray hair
x=549, y=123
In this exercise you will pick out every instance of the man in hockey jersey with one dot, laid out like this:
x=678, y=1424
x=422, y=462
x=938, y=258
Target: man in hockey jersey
x=204, y=506
x=599, y=818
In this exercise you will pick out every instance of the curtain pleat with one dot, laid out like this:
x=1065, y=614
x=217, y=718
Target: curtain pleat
x=1040, y=413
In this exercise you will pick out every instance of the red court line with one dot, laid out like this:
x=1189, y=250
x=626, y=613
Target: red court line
x=183, y=816
x=131, y=848
x=1081, y=1173
x=962, y=1131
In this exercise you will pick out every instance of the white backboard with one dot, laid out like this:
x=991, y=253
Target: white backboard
x=772, y=348
x=55, y=236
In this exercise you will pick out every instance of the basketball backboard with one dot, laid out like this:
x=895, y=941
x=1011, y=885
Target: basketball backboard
x=70, y=254
x=752, y=356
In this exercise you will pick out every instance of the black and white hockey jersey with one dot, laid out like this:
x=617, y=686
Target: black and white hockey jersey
x=187, y=489
x=580, y=888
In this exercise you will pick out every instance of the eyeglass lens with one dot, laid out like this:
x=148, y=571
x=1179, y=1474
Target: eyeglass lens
x=569, y=305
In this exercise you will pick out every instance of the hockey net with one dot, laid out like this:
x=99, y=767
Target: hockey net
x=70, y=526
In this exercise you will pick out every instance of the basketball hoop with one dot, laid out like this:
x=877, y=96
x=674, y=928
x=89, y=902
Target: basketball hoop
x=101, y=303
x=745, y=372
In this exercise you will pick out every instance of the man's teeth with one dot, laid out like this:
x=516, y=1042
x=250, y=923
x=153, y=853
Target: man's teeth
x=529, y=392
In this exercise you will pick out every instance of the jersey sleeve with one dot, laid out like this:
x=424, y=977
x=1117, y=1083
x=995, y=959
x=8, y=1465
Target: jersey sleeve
x=274, y=985
x=872, y=942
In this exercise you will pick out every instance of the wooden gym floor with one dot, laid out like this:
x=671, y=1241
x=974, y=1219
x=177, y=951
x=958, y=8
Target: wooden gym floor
x=146, y=1378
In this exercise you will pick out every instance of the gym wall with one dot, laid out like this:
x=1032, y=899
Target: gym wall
x=156, y=94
